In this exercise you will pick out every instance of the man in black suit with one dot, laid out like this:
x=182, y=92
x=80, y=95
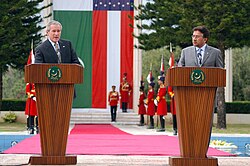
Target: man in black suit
x=54, y=49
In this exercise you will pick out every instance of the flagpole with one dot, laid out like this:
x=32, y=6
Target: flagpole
x=31, y=44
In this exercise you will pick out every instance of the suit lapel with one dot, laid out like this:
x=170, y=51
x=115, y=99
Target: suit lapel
x=51, y=50
x=206, y=54
x=194, y=54
x=62, y=49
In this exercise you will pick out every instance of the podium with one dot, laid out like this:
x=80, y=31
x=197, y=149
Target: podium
x=54, y=85
x=195, y=92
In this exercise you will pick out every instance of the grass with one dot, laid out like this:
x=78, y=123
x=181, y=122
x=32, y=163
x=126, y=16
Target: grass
x=234, y=129
x=12, y=127
x=231, y=129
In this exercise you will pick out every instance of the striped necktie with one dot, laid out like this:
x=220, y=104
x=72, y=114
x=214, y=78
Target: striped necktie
x=199, y=56
x=58, y=53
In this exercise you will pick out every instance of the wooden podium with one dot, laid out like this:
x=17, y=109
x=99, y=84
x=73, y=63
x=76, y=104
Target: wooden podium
x=54, y=85
x=195, y=92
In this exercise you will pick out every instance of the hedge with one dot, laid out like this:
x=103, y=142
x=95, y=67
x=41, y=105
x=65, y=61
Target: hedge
x=13, y=105
x=236, y=107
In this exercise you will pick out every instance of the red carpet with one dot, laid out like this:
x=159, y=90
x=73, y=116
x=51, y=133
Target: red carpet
x=111, y=144
x=96, y=129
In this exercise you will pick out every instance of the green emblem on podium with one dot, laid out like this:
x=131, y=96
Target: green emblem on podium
x=197, y=76
x=54, y=73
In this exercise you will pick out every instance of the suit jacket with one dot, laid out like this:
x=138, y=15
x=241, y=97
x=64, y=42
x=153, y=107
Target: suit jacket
x=212, y=57
x=45, y=53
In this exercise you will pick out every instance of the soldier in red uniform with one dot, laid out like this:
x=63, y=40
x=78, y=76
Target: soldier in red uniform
x=161, y=102
x=125, y=90
x=173, y=109
x=151, y=105
x=142, y=109
x=30, y=109
x=113, y=101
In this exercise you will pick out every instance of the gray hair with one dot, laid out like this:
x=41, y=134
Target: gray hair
x=53, y=22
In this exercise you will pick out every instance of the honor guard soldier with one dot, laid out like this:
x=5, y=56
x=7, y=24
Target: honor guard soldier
x=125, y=90
x=142, y=109
x=30, y=109
x=113, y=102
x=161, y=102
x=173, y=109
x=150, y=103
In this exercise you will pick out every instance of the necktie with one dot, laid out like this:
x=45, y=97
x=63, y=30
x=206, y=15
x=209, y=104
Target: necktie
x=199, y=57
x=58, y=53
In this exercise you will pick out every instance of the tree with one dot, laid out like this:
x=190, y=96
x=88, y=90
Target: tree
x=241, y=76
x=19, y=24
x=13, y=84
x=172, y=21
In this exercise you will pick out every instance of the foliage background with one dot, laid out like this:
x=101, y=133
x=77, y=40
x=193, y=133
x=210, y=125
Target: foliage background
x=14, y=85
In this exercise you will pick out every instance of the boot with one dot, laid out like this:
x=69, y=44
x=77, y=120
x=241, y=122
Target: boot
x=31, y=120
x=175, y=132
x=151, y=126
x=28, y=123
x=36, y=127
x=141, y=120
x=162, y=124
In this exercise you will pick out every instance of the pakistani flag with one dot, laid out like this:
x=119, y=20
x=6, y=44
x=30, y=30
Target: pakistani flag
x=101, y=33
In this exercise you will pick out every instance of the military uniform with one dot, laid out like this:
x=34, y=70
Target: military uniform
x=161, y=102
x=173, y=109
x=125, y=90
x=151, y=105
x=142, y=109
x=30, y=109
x=113, y=101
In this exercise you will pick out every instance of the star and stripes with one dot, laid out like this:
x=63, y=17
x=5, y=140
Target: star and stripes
x=115, y=5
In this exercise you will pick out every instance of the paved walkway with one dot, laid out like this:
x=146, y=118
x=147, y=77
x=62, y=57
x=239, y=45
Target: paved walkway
x=123, y=160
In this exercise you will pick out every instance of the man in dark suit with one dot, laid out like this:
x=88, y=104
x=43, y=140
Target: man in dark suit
x=54, y=49
x=200, y=54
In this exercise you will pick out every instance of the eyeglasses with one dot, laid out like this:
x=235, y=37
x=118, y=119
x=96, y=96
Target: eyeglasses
x=196, y=36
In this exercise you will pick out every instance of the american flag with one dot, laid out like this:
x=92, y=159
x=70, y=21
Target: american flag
x=113, y=5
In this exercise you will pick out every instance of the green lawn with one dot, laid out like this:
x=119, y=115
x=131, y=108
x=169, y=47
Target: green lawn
x=231, y=129
x=12, y=127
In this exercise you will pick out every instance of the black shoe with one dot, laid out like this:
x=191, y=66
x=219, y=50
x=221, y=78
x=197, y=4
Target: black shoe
x=150, y=127
x=160, y=130
x=37, y=130
x=175, y=132
x=140, y=124
x=32, y=131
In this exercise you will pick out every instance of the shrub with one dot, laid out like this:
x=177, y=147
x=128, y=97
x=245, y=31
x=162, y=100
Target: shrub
x=10, y=117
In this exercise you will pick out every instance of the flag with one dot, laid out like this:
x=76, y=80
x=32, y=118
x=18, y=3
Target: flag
x=171, y=65
x=162, y=66
x=171, y=60
x=150, y=75
x=31, y=58
x=101, y=33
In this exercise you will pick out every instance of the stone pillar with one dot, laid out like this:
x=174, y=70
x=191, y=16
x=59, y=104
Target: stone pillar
x=44, y=13
x=229, y=75
x=137, y=62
